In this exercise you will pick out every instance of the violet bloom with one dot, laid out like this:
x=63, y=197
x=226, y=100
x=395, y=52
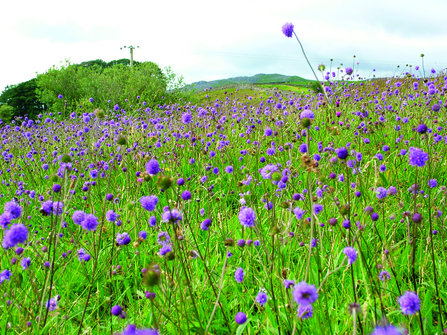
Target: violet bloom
x=351, y=253
x=247, y=217
x=305, y=294
x=417, y=157
x=409, y=303
x=287, y=29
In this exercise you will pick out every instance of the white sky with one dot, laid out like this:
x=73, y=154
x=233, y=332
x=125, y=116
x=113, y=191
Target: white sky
x=208, y=40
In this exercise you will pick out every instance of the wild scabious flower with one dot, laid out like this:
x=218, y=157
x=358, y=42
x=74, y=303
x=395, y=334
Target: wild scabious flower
x=229, y=169
x=153, y=167
x=186, y=195
x=305, y=311
x=239, y=275
x=82, y=256
x=432, y=183
x=342, y=153
x=78, y=217
x=384, y=275
x=117, y=310
x=417, y=157
x=261, y=298
x=351, y=253
x=422, y=128
x=111, y=216
x=51, y=304
x=267, y=171
x=386, y=330
x=287, y=29
x=5, y=275
x=186, y=118
x=305, y=294
x=318, y=208
x=163, y=238
x=13, y=209
x=391, y=190
x=122, y=239
x=132, y=330
x=25, y=263
x=381, y=192
x=409, y=303
x=58, y=208
x=149, y=202
x=173, y=215
x=247, y=217
x=165, y=249
x=16, y=234
x=90, y=222
x=5, y=220
x=240, y=318
x=288, y=283
x=206, y=224
x=299, y=213
x=47, y=207
x=349, y=71
x=307, y=113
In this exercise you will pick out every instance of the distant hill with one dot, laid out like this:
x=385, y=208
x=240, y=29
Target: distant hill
x=260, y=78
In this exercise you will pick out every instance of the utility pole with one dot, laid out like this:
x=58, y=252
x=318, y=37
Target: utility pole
x=131, y=52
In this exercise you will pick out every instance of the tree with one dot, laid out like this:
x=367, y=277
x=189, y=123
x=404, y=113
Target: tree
x=23, y=99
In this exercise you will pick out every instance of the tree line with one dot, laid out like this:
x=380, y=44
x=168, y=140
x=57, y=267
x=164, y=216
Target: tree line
x=64, y=89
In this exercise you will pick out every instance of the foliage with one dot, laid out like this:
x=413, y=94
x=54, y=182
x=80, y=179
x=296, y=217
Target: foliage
x=23, y=99
x=6, y=113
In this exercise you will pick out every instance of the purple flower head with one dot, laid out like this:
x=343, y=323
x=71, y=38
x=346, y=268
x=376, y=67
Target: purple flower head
x=149, y=202
x=351, y=254
x=186, y=118
x=261, y=298
x=186, y=195
x=289, y=283
x=25, y=263
x=123, y=239
x=240, y=318
x=13, y=209
x=305, y=311
x=5, y=275
x=229, y=169
x=266, y=172
x=78, y=217
x=386, y=330
x=5, y=220
x=417, y=157
x=422, y=128
x=132, y=330
x=392, y=190
x=381, y=192
x=432, y=183
x=111, y=215
x=152, y=167
x=299, y=213
x=16, y=234
x=165, y=249
x=247, y=217
x=307, y=113
x=116, y=310
x=47, y=207
x=287, y=29
x=172, y=215
x=305, y=294
x=58, y=208
x=409, y=303
x=90, y=222
x=384, y=275
x=342, y=153
x=163, y=238
x=51, y=304
x=239, y=275
x=205, y=224
x=142, y=234
x=349, y=71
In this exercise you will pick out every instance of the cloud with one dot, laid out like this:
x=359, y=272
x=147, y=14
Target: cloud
x=68, y=32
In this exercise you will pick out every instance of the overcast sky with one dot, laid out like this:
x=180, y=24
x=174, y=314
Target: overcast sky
x=208, y=40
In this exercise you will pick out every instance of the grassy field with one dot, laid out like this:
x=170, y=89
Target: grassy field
x=243, y=213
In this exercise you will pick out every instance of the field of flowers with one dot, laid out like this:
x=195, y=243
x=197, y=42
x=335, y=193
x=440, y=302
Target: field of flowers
x=285, y=214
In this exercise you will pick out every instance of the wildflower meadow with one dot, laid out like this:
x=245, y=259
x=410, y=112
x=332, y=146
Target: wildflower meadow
x=320, y=212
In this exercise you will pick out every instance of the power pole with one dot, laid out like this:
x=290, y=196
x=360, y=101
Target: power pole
x=131, y=52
